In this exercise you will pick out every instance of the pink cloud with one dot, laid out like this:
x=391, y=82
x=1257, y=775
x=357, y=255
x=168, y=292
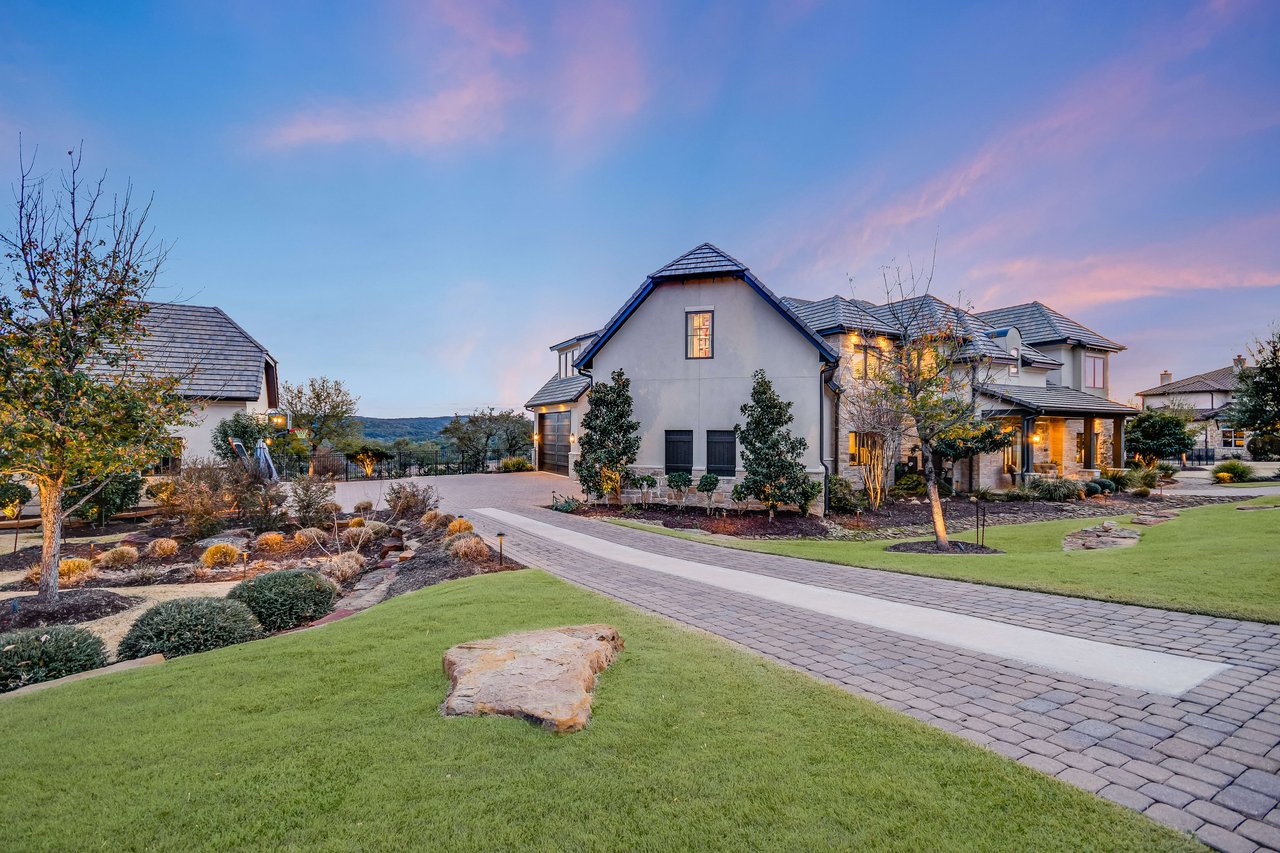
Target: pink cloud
x=603, y=77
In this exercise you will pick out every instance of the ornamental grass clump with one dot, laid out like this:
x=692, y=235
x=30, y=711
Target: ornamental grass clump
x=470, y=549
x=286, y=599
x=32, y=655
x=185, y=626
x=363, y=506
x=1058, y=490
x=459, y=525
x=219, y=554
x=272, y=542
x=355, y=522
x=443, y=521
x=71, y=571
x=449, y=541
x=1236, y=471
x=309, y=536
x=429, y=518
x=162, y=548
x=344, y=568
x=118, y=557
x=356, y=537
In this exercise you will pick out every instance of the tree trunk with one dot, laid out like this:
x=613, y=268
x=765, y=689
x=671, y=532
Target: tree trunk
x=935, y=503
x=51, y=530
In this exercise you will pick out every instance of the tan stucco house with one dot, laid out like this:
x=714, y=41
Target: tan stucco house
x=690, y=337
x=1210, y=396
x=224, y=369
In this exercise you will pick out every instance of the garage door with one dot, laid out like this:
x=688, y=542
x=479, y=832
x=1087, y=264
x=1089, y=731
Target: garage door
x=553, y=452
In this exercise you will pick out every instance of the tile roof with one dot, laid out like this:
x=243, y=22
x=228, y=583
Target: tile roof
x=585, y=339
x=1040, y=324
x=1222, y=379
x=223, y=361
x=700, y=261
x=557, y=390
x=921, y=313
x=1056, y=399
x=836, y=314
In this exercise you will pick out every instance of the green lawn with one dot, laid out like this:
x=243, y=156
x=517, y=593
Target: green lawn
x=331, y=739
x=1213, y=559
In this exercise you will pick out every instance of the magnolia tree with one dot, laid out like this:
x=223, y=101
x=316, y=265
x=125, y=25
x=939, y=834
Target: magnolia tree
x=773, y=472
x=926, y=380
x=76, y=409
x=1257, y=400
x=609, y=440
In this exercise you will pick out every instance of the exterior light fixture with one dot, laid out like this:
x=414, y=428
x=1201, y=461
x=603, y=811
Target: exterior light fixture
x=278, y=420
x=501, y=536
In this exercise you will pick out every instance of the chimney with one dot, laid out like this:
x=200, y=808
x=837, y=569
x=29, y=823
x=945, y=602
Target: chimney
x=1165, y=377
x=1239, y=362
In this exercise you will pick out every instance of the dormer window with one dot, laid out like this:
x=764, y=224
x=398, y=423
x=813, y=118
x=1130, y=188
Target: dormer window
x=698, y=324
x=567, y=358
x=1017, y=361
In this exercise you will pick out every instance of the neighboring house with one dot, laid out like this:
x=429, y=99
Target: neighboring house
x=1210, y=395
x=691, y=335
x=224, y=369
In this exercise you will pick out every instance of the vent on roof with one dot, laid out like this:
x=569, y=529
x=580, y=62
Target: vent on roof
x=1165, y=377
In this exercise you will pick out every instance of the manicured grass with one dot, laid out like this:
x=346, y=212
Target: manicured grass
x=1212, y=559
x=332, y=739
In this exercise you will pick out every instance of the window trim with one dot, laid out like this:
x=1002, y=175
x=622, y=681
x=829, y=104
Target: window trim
x=711, y=334
x=720, y=470
x=1238, y=438
x=1088, y=377
x=1015, y=369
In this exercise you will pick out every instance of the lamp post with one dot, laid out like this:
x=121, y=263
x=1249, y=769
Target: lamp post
x=501, y=560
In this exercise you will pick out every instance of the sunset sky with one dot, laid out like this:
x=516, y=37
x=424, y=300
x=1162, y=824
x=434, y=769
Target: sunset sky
x=419, y=197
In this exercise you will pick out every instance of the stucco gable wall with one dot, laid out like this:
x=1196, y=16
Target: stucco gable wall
x=673, y=392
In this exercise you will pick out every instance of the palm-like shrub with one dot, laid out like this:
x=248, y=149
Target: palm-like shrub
x=119, y=557
x=1122, y=478
x=32, y=655
x=219, y=554
x=1058, y=490
x=286, y=599
x=161, y=548
x=185, y=626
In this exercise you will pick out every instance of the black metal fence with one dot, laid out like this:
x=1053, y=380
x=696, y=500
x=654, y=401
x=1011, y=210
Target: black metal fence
x=386, y=465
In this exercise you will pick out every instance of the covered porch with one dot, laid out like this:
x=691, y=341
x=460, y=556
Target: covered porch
x=1058, y=432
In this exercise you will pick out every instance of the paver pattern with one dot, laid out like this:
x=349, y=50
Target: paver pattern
x=1207, y=762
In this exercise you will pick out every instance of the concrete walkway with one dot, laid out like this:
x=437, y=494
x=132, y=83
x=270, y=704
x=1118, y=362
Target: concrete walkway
x=1207, y=761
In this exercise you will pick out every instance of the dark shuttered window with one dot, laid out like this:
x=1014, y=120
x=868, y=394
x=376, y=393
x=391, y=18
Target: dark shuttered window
x=679, y=451
x=722, y=452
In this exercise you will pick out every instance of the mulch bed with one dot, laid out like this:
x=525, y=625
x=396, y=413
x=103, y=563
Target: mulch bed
x=430, y=567
x=752, y=524
x=72, y=606
x=932, y=548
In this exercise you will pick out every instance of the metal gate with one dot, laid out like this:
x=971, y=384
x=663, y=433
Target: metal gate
x=553, y=449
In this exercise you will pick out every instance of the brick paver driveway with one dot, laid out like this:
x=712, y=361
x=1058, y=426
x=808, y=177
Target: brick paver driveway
x=1206, y=761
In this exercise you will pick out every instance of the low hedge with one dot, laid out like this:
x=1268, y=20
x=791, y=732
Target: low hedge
x=32, y=655
x=185, y=626
x=286, y=599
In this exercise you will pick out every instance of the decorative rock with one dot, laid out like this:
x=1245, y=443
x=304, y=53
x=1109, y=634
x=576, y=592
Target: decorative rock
x=137, y=539
x=1148, y=519
x=1105, y=535
x=545, y=676
x=236, y=540
x=405, y=555
x=389, y=545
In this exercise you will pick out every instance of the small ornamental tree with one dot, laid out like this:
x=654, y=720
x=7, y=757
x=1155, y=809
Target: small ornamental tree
x=609, y=439
x=323, y=411
x=1256, y=406
x=76, y=405
x=770, y=453
x=707, y=484
x=243, y=426
x=1158, y=434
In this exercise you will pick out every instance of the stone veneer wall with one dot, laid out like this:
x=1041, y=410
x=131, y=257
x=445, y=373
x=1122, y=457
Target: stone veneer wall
x=663, y=495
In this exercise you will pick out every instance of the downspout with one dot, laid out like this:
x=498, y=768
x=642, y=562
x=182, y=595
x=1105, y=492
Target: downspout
x=825, y=375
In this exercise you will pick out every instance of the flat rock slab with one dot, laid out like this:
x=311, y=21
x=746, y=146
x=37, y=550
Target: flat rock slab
x=240, y=543
x=542, y=676
x=1148, y=519
x=1105, y=535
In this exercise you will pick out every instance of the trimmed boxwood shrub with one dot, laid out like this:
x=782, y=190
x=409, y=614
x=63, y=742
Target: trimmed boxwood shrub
x=286, y=599
x=1092, y=488
x=185, y=626
x=32, y=655
x=1105, y=485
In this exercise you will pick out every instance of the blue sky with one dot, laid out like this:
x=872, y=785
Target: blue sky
x=418, y=198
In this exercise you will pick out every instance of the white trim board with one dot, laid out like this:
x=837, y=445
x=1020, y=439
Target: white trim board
x=1139, y=669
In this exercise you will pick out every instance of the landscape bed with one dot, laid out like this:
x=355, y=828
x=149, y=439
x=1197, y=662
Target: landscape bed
x=332, y=738
x=1208, y=560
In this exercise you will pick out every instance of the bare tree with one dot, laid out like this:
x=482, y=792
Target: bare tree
x=926, y=381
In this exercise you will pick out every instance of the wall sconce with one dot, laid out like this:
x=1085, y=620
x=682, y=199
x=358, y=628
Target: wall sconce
x=572, y=438
x=278, y=420
x=1036, y=438
x=535, y=436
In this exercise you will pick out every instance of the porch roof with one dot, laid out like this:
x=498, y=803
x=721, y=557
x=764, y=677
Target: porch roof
x=1056, y=400
x=557, y=390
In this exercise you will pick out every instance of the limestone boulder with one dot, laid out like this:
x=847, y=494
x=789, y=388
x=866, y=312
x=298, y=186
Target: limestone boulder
x=1105, y=535
x=234, y=538
x=543, y=676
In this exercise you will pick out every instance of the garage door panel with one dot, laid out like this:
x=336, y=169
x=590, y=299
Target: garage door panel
x=553, y=453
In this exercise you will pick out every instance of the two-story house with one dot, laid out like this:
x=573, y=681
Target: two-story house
x=1209, y=395
x=690, y=337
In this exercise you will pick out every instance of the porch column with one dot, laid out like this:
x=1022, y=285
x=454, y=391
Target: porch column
x=1090, y=444
x=1117, y=442
x=1028, y=446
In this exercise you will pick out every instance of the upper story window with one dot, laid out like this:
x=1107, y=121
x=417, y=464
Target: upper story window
x=1017, y=361
x=566, y=362
x=698, y=334
x=1095, y=371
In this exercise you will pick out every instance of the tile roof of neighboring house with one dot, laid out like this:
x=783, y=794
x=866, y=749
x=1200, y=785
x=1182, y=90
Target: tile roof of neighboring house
x=929, y=312
x=836, y=314
x=1040, y=324
x=704, y=261
x=701, y=261
x=1056, y=399
x=1222, y=379
x=557, y=390
x=223, y=361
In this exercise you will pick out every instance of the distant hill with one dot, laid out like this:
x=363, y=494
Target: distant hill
x=414, y=429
